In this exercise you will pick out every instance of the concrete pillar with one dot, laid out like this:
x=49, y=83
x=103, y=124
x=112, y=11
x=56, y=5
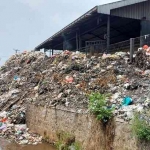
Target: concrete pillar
x=49, y=52
x=141, y=41
x=131, y=49
x=52, y=51
x=108, y=34
x=63, y=45
x=77, y=42
x=80, y=42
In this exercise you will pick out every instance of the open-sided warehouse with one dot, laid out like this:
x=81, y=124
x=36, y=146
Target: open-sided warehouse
x=103, y=26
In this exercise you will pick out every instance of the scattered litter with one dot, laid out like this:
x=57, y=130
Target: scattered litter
x=127, y=101
x=66, y=79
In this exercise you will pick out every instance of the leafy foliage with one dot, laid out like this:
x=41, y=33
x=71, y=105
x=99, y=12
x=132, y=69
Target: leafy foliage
x=98, y=106
x=140, y=128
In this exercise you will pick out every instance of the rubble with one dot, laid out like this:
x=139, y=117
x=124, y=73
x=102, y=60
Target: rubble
x=66, y=79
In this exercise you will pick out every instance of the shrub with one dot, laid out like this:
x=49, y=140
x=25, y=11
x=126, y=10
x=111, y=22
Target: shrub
x=140, y=127
x=98, y=106
x=66, y=141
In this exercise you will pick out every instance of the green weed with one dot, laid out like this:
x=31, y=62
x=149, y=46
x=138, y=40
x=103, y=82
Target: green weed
x=98, y=106
x=140, y=127
x=66, y=141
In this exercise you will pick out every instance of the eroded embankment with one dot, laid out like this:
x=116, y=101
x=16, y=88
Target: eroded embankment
x=90, y=133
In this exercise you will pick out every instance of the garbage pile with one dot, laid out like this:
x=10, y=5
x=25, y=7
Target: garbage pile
x=142, y=59
x=12, y=126
x=13, y=102
x=66, y=79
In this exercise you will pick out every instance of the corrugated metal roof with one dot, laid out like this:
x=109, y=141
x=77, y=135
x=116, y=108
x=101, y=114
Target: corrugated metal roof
x=82, y=18
x=137, y=11
x=105, y=9
x=102, y=9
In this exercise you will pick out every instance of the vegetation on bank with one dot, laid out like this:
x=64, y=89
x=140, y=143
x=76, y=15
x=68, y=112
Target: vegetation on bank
x=98, y=106
x=140, y=127
x=66, y=141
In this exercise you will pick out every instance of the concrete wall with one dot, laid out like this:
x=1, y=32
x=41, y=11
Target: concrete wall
x=124, y=139
x=89, y=132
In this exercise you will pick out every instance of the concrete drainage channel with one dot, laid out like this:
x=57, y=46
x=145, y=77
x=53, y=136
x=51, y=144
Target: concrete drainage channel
x=89, y=132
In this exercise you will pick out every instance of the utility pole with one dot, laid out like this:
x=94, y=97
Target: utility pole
x=16, y=50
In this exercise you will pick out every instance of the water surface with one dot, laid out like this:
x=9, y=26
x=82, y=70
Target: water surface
x=6, y=145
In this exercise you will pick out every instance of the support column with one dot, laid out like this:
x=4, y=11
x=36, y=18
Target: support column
x=80, y=42
x=141, y=41
x=63, y=45
x=131, y=49
x=108, y=34
x=52, y=51
x=45, y=50
x=77, y=43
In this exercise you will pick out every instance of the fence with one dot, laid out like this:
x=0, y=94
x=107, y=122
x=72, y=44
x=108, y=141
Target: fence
x=131, y=45
x=121, y=46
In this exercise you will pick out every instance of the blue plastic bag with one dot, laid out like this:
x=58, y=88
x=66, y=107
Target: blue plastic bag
x=127, y=101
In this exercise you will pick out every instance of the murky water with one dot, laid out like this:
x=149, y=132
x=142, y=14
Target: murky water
x=6, y=145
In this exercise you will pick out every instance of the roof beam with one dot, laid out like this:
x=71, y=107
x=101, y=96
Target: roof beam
x=125, y=33
x=95, y=35
x=85, y=32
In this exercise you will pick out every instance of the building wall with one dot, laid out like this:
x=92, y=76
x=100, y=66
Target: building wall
x=145, y=27
x=136, y=11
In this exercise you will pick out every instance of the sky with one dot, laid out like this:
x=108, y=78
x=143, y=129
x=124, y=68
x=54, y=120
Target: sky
x=27, y=23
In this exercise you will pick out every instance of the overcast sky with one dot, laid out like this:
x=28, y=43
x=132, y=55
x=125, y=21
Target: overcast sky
x=26, y=23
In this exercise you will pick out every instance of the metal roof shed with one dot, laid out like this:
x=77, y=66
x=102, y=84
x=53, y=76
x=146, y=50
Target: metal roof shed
x=106, y=9
x=113, y=20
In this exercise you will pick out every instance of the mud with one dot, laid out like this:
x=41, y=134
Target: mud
x=6, y=145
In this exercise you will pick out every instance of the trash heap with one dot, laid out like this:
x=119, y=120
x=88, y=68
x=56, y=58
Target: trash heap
x=66, y=79
x=12, y=126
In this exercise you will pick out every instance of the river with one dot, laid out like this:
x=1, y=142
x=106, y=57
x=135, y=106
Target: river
x=6, y=145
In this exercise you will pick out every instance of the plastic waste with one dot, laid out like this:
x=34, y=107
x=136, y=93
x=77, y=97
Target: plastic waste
x=127, y=101
x=16, y=78
x=3, y=120
x=69, y=79
x=3, y=127
x=145, y=47
x=3, y=114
